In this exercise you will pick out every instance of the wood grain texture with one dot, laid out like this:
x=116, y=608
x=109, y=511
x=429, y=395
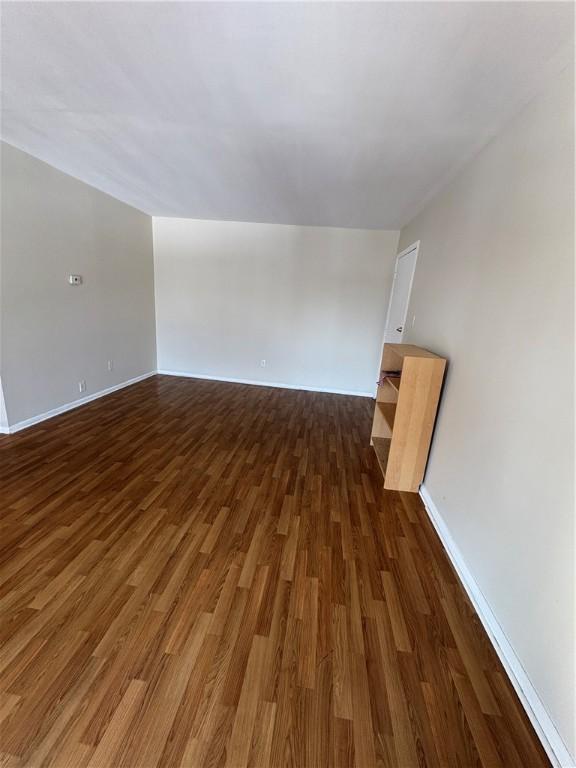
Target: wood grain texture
x=405, y=412
x=198, y=574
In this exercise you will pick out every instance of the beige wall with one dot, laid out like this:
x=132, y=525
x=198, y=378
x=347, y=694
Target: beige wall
x=54, y=334
x=493, y=292
x=311, y=301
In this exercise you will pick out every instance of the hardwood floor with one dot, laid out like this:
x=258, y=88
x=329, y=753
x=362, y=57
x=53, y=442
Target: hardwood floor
x=203, y=574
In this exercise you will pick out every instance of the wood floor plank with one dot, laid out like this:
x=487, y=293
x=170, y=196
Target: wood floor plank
x=262, y=734
x=111, y=741
x=397, y=620
x=341, y=664
x=197, y=574
x=241, y=737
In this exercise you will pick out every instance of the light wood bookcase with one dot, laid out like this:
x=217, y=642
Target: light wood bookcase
x=405, y=412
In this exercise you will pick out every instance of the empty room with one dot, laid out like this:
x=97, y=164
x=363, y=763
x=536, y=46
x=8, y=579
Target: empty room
x=287, y=385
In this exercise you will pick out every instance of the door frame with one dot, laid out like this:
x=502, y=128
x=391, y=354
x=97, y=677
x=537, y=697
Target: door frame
x=414, y=247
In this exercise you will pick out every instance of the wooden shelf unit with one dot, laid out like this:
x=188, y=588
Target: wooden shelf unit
x=405, y=412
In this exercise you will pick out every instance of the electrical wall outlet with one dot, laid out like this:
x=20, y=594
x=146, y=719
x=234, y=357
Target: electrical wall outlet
x=110, y=365
x=82, y=386
x=262, y=363
x=75, y=279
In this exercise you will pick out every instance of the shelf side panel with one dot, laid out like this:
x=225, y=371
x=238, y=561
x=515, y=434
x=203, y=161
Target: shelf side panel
x=414, y=422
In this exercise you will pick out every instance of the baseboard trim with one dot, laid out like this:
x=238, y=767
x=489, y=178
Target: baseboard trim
x=256, y=383
x=11, y=429
x=539, y=717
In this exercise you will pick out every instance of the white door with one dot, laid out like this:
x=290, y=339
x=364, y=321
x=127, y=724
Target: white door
x=400, y=294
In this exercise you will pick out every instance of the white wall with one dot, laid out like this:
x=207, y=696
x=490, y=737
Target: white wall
x=311, y=301
x=493, y=292
x=54, y=334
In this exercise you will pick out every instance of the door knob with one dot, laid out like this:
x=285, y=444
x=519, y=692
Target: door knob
x=400, y=329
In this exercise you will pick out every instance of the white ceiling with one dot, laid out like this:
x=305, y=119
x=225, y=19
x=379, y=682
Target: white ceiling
x=338, y=114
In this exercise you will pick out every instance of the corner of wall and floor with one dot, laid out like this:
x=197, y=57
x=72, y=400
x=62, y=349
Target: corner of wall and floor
x=493, y=293
x=541, y=721
x=55, y=336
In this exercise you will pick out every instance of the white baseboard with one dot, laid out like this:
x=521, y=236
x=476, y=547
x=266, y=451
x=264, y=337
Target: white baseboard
x=69, y=406
x=10, y=430
x=539, y=717
x=278, y=385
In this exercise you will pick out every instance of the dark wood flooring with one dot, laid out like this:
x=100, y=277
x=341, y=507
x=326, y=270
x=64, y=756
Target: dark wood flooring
x=202, y=574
